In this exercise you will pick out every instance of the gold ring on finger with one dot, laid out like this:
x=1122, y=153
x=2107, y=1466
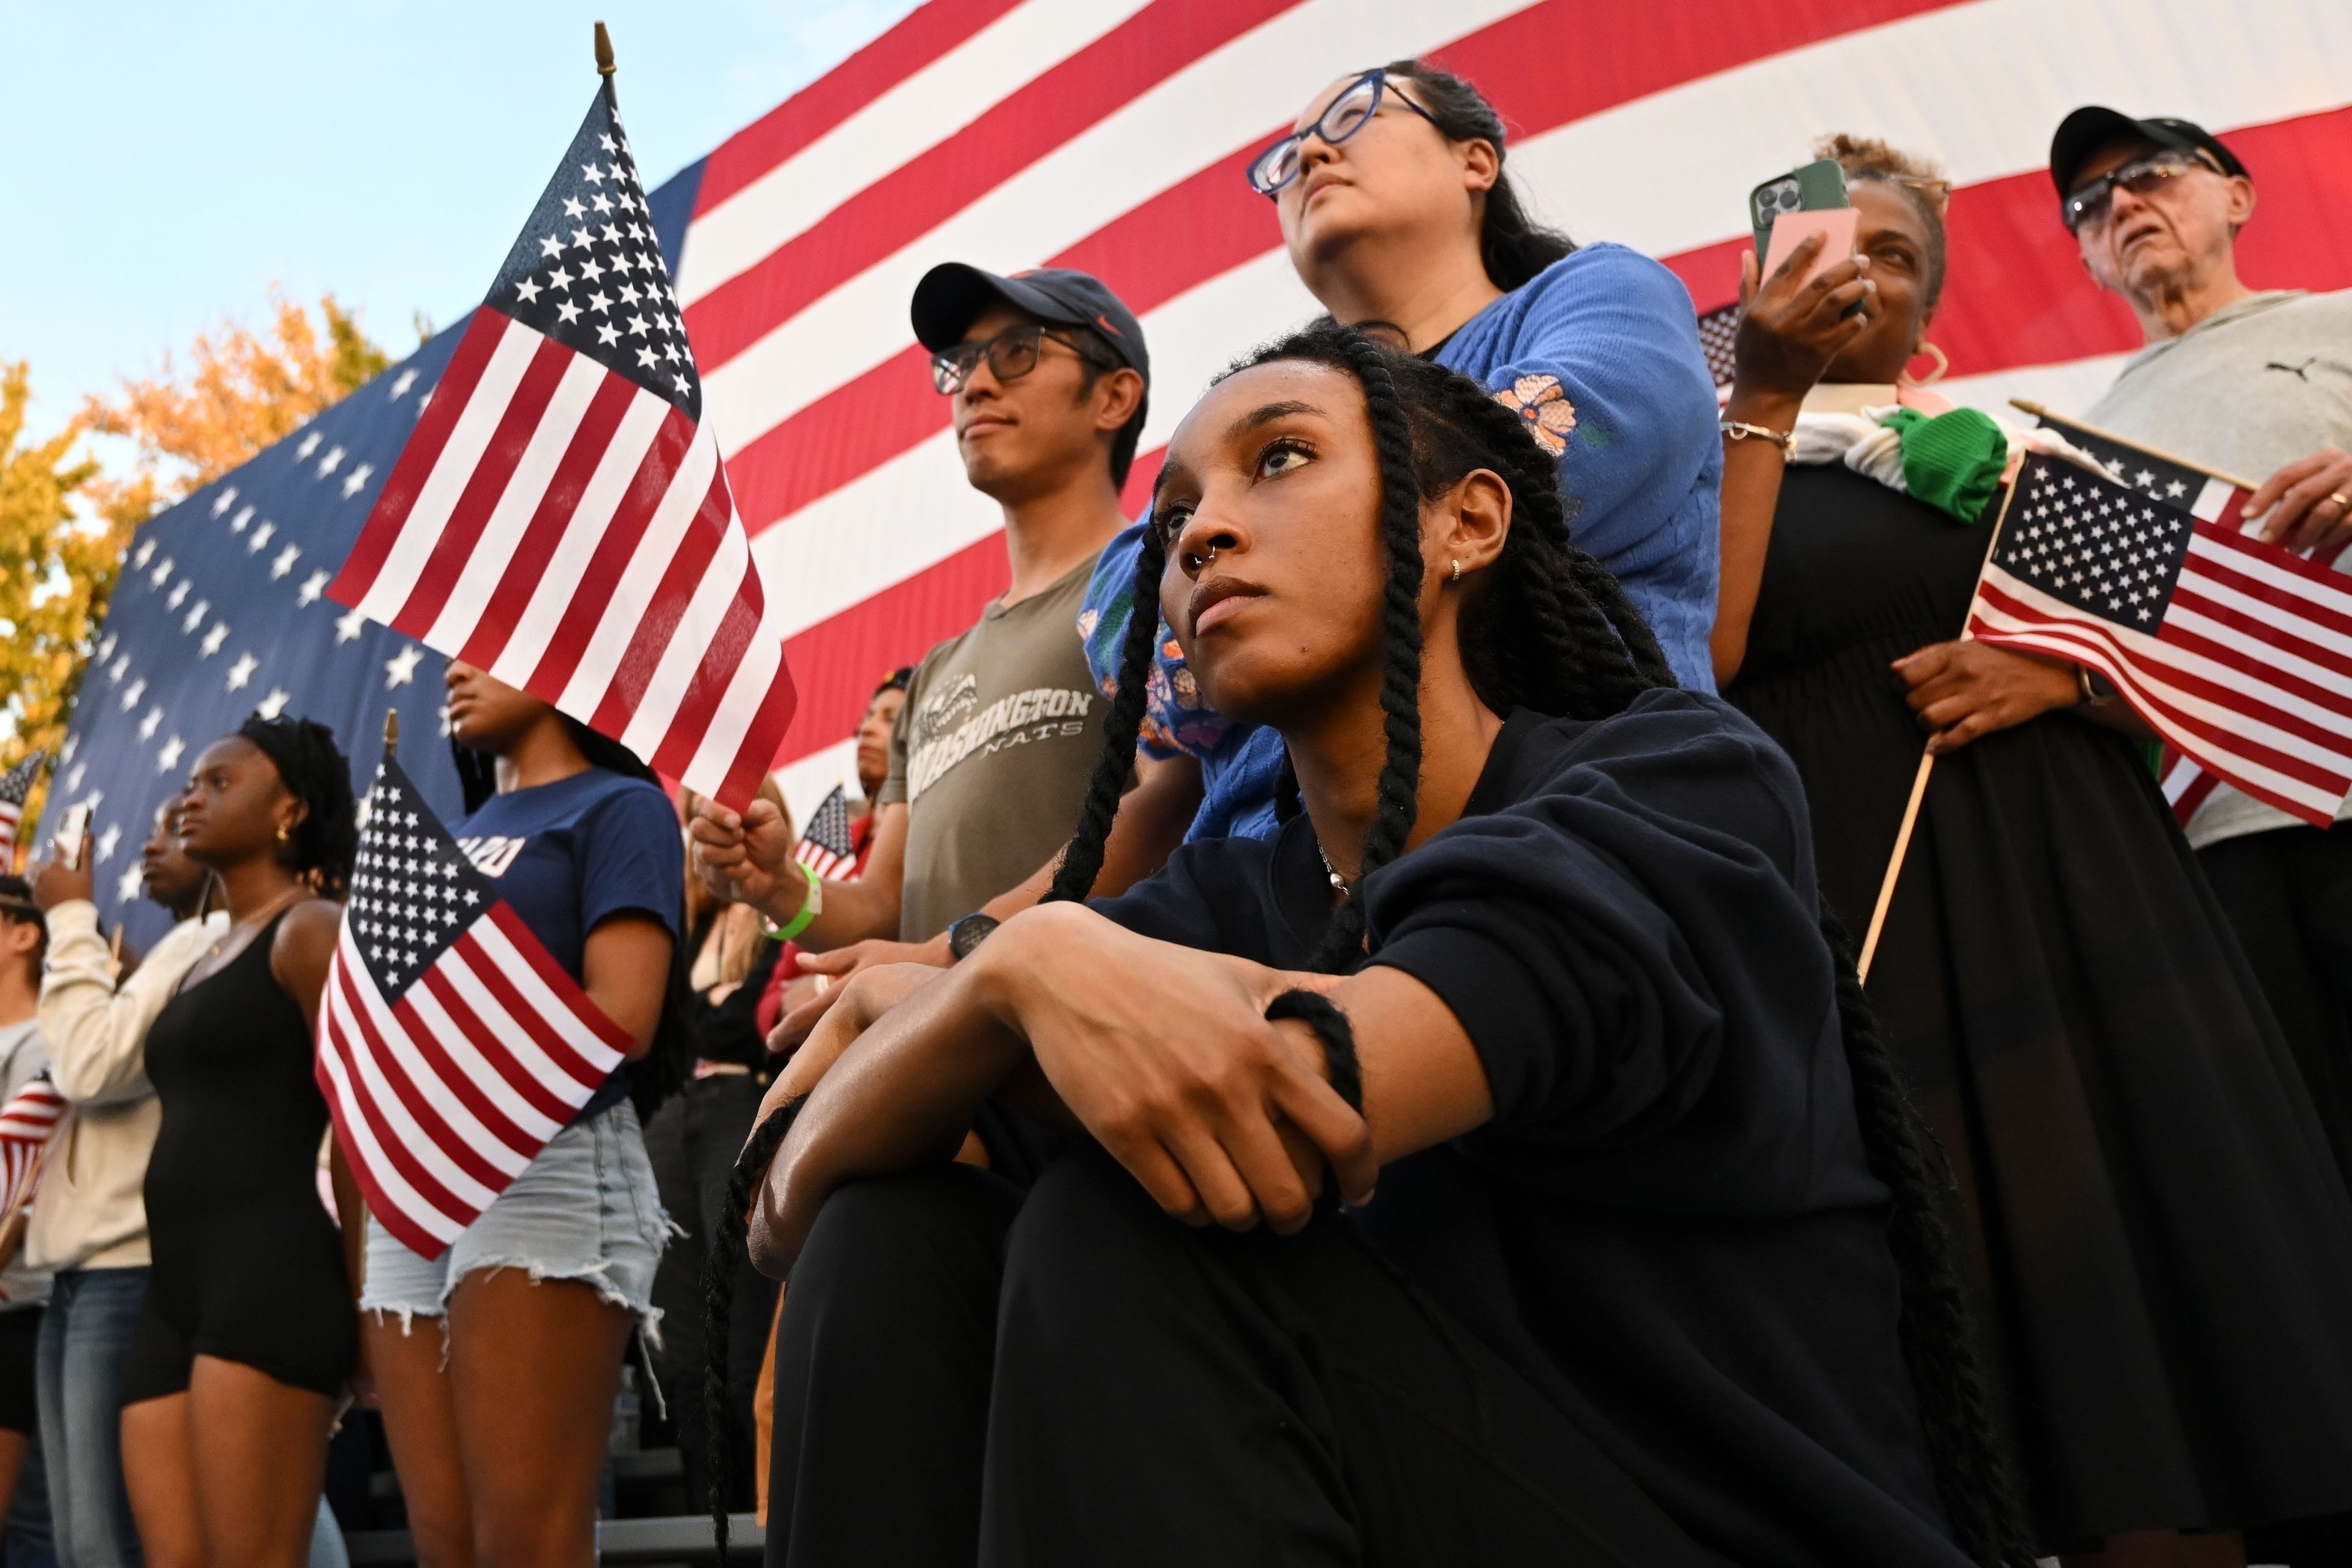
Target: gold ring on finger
x=824, y=983
x=2342, y=502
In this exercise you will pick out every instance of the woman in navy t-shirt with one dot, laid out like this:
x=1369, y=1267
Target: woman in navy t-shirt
x=528, y=1312
x=1397, y=211
x=1642, y=1263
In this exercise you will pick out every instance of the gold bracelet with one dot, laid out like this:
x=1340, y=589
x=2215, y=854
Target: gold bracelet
x=1740, y=430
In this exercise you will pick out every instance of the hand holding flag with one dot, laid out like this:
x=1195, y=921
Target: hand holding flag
x=451, y=1046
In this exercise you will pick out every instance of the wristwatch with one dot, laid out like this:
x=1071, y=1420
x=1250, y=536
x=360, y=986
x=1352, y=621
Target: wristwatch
x=970, y=933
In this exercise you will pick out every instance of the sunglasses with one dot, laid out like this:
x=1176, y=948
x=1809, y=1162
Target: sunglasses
x=1349, y=112
x=1010, y=355
x=2090, y=201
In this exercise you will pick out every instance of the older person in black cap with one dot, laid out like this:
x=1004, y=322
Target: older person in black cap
x=2252, y=382
x=1001, y=725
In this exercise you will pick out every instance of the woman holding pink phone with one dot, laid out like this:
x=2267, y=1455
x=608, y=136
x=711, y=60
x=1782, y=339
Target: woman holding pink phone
x=2161, y=1246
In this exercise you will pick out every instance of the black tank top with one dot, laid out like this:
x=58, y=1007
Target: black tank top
x=231, y=1060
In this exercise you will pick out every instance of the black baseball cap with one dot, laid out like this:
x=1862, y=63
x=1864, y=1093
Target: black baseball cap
x=2092, y=127
x=952, y=295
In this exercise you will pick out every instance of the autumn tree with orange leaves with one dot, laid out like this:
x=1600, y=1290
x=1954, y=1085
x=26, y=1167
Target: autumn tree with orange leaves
x=66, y=524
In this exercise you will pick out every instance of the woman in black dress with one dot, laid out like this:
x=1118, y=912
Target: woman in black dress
x=248, y=1330
x=2163, y=1253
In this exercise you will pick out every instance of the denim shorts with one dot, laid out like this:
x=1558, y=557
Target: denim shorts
x=585, y=1209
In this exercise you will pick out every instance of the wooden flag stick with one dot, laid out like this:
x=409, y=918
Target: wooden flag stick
x=603, y=51
x=1895, y=865
x=1927, y=770
x=2039, y=412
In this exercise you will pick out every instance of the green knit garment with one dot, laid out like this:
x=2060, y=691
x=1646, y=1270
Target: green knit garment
x=1952, y=461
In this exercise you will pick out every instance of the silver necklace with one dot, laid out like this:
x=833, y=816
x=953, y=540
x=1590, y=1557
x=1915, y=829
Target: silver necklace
x=1339, y=883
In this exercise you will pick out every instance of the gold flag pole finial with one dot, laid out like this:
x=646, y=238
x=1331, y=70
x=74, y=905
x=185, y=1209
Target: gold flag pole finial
x=603, y=51
x=390, y=728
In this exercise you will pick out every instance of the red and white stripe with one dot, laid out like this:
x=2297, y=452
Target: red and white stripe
x=27, y=1121
x=11, y=813
x=1110, y=135
x=441, y=1098
x=574, y=535
x=2249, y=671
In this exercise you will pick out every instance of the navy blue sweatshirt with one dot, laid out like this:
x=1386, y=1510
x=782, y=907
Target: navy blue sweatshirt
x=1668, y=1226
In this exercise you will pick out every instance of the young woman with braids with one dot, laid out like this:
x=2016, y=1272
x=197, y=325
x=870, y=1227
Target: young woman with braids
x=247, y=1335
x=497, y=1362
x=1639, y=1247
x=1398, y=213
x=2159, y=1246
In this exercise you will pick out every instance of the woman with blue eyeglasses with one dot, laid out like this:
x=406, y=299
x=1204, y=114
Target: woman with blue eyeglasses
x=1398, y=214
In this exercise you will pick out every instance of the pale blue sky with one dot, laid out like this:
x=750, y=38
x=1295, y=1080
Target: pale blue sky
x=162, y=165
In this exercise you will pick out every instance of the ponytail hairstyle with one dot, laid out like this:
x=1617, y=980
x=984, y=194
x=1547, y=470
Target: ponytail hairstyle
x=1513, y=247
x=1548, y=628
x=326, y=841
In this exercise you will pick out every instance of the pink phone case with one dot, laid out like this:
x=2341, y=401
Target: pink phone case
x=1792, y=229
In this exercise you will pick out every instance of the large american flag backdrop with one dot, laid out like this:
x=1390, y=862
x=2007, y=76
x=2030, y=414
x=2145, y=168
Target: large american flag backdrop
x=1111, y=135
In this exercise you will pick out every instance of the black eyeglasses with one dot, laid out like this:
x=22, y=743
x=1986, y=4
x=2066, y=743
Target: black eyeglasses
x=1010, y=355
x=2088, y=203
x=1343, y=118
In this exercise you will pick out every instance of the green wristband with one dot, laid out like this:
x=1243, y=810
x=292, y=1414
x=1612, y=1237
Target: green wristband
x=809, y=907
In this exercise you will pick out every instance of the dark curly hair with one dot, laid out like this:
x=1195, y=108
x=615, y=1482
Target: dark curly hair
x=314, y=771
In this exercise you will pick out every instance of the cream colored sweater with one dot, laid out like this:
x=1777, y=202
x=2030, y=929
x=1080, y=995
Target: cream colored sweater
x=92, y=1211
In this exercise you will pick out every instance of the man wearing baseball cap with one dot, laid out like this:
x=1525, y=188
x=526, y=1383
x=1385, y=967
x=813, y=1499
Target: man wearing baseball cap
x=2250, y=382
x=989, y=763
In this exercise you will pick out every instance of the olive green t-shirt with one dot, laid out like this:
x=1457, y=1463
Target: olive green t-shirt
x=992, y=754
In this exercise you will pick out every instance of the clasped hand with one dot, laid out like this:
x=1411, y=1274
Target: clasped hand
x=1161, y=1053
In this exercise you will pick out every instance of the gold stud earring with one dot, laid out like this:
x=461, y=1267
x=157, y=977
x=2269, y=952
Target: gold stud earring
x=284, y=837
x=1457, y=571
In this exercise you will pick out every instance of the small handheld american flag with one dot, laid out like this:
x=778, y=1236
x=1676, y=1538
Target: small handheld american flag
x=827, y=848
x=27, y=1121
x=2238, y=653
x=451, y=1046
x=14, y=786
x=560, y=517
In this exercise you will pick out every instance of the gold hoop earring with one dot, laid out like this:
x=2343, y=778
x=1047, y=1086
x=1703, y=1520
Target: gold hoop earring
x=1943, y=363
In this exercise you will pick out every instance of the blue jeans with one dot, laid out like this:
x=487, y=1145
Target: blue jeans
x=83, y=1336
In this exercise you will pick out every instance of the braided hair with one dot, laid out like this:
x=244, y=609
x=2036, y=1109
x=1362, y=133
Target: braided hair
x=1550, y=629
x=312, y=767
